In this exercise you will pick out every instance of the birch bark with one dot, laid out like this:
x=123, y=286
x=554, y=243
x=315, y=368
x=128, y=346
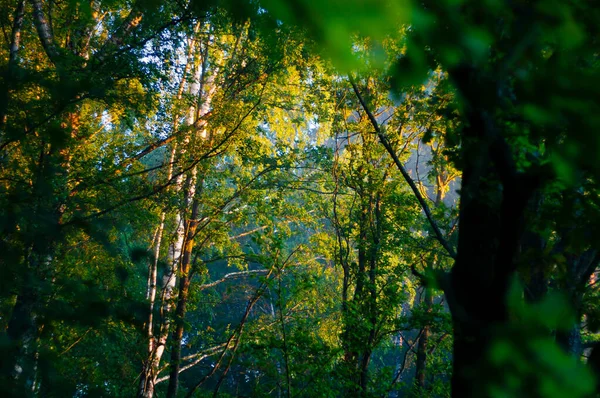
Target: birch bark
x=206, y=92
x=156, y=344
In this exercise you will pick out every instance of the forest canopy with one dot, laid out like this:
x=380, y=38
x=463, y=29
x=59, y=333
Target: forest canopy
x=297, y=198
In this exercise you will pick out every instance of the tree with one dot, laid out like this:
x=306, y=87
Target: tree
x=498, y=68
x=263, y=192
x=61, y=75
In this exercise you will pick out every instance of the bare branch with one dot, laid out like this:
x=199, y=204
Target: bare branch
x=404, y=360
x=132, y=20
x=198, y=357
x=233, y=275
x=259, y=292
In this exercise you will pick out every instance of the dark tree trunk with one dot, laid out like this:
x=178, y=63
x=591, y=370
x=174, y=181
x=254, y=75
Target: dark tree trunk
x=570, y=340
x=184, y=284
x=356, y=329
x=9, y=78
x=532, y=246
x=22, y=334
x=423, y=346
x=494, y=196
x=42, y=233
x=371, y=317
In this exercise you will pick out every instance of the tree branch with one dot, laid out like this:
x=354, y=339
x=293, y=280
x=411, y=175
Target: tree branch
x=383, y=139
x=233, y=275
x=199, y=357
x=75, y=342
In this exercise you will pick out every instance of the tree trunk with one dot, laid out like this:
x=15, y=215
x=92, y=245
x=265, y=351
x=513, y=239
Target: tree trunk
x=44, y=31
x=206, y=91
x=570, y=340
x=156, y=345
x=371, y=299
x=22, y=333
x=494, y=196
x=182, y=299
x=15, y=44
x=42, y=234
x=423, y=345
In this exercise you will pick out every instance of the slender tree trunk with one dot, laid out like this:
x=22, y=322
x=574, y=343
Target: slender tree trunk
x=423, y=345
x=182, y=299
x=371, y=298
x=156, y=344
x=358, y=341
x=148, y=377
x=206, y=90
x=286, y=359
x=350, y=355
x=15, y=44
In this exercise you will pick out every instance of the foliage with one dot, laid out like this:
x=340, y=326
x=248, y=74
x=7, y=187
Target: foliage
x=299, y=198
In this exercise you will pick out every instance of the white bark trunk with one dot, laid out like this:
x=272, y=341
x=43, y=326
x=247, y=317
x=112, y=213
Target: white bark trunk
x=204, y=87
x=156, y=344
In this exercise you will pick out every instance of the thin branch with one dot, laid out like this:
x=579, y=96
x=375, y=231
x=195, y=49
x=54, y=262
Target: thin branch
x=75, y=342
x=210, y=153
x=115, y=40
x=155, y=145
x=250, y=232
x=410, y=348
x=409, y=180
x=233, y=275
x=198, y=357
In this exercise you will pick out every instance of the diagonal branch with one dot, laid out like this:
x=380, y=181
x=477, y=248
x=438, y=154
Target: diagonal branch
x=383, y=139
x=233, y=275
x=197, y=358
x=118, y=37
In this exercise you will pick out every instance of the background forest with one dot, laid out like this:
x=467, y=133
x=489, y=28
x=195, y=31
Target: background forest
x=292, y=198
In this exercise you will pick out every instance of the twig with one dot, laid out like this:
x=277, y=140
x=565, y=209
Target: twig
x=75, y=342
